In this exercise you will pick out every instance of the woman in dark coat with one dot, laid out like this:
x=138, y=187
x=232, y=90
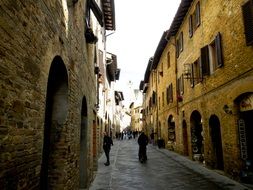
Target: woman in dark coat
x=143, y=142
x=107, y=147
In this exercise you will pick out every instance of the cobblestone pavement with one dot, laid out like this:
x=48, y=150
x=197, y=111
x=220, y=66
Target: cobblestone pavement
x=164, y=170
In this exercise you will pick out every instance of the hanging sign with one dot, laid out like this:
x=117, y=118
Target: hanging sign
x=242, y=139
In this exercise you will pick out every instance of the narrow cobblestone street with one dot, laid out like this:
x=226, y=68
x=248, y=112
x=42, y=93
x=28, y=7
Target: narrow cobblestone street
x=163, y=170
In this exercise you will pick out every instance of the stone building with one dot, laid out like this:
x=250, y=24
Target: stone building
x=136, y=120
x=48, y=91
x=205, y=83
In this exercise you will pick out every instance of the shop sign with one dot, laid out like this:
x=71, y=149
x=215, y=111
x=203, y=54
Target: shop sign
x=242, y=139
x=246, y=103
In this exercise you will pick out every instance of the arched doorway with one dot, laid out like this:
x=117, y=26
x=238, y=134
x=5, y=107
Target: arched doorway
x=171, y=129
x=196, y=136
x=245, y=123
x=185, y=138
x=83, y=145
x=55, y=118
x=216, y=141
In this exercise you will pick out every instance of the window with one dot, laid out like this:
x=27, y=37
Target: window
x=177, y=48
x=205, y=60
x=192, y=75
x=159, y=103
x=190, y=26
x=163, y=99
x=197, y=73
x=194, y=20
x=197, y=15
x=168, y=60
x=247, y=10
x=180, y=85
x=169, y=94
x=211, y=56
x=179, y=44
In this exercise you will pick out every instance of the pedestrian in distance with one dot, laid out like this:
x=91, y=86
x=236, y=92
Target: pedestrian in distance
x=152, y=138
x=143, y=142
x=107, y=143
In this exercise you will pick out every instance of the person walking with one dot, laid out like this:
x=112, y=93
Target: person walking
x=107, y=147
x=143, y=142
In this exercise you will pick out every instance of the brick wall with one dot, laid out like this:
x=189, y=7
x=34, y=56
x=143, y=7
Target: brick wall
x=32, y=34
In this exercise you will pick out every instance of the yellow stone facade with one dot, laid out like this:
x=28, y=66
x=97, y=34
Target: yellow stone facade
x=212, y=116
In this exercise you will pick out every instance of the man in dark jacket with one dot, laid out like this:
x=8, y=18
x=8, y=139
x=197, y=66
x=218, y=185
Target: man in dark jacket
x=107, y=147
x=143, y=142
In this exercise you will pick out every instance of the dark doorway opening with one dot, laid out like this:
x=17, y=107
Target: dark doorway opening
x=55, y=118
x=215, y=133
x=83, y=145
x=196, y=136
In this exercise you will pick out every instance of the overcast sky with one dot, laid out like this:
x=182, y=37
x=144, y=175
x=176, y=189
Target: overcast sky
x=139, y=27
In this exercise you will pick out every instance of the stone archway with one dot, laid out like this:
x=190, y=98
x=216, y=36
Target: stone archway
x=83, y=145
x=245, y=123
x=216, y=142
x=55, y=118
x=196, y=136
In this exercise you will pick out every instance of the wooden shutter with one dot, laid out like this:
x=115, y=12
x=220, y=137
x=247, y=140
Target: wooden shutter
x=181, y=42
x=200, y=70
x=247, y=10
x=192, y=76
x=218, y=50
x=171, y=93
x=167, y=95
x=205, y=61
x=177, y=48
x=182, y=84
x=190, y=26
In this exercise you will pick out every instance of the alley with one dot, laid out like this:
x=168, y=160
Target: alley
x=163, y=170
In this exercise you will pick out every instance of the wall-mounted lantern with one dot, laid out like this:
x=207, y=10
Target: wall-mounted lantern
x=227, y=109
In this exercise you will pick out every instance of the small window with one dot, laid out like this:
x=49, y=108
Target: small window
x=192, y=75
x=197, y=74
x=177, y=48
x=197, y=14
x=181, y=42
x=163, y=99
x=168, y=60
x=170, y=93
x=159, y=103
x=247, y=10
x=194, y=20
x=215, y=54
x=205, y=61
x=180, y=85
x=190, y=26
x=167, y=95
